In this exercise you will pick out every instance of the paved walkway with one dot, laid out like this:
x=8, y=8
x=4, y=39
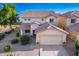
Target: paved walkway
x=53, y=51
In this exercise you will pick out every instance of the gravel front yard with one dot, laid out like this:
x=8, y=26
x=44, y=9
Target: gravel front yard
x=18, y=49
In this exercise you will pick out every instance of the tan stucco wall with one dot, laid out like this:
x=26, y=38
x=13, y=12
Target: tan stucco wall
x=46, y=19
x=33, y=27
x=69, y=20
x=53, y=17
x=51, y=32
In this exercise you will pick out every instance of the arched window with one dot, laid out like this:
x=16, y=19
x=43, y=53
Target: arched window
x=51, y=20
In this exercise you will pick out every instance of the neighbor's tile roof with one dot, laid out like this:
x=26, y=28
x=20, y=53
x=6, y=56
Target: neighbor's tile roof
x=37, y=14
x=71, y=14
x=75, y=27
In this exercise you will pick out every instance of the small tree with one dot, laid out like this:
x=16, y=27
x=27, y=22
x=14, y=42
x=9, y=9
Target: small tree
x=25, y=39
x=77, y=44
x=17, y=34
x=61, y=22
x=77, y=47
x=7, y=48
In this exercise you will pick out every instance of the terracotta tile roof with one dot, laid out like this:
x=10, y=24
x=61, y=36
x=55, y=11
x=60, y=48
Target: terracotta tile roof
x=44, y=26
x=76, y=13
x=71, y=14
x=37, y=14
x=25, y=26
x=75, y=27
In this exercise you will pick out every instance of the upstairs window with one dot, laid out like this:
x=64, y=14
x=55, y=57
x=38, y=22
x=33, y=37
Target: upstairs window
x=73, y=20
x=28, y=19
x=51, y=20
x=42, y=19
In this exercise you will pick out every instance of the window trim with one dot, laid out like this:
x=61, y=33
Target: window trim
x=51, y=20
x=27, y=31
x=29, y=19
x=42, y=19
x=73, y=20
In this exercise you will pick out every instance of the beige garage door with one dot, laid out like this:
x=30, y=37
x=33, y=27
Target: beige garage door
x=51, y=39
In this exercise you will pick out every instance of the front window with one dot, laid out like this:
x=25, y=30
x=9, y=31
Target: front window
x=28, y=19
x=42, y=19
x=73, y=20
x=25, y=19
x=51, y=20
x=27, y=31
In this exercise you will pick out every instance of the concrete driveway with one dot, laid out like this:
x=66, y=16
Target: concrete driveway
x=58, y=50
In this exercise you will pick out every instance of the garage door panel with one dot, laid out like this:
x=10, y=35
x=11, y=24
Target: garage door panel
x=51, y=39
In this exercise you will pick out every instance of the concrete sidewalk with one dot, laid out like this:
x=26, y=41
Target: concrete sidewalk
x=53, y=51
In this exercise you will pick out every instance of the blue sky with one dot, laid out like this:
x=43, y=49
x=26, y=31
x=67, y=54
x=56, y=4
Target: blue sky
x=58, y=7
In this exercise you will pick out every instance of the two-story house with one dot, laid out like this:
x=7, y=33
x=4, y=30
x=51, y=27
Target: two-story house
x=42, y=25
x=73, y=23
x=72, y=17
x=30, y=20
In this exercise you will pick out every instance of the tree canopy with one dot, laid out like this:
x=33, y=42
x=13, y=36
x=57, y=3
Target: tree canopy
x=7, y=14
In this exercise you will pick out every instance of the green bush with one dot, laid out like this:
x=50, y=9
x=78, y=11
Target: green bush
x=10, y=31
x=7, y=48
x=77, y=47
x=77, y=44
x=24, y=39
x=2, y=37
x=14, y=41
x=17, y=34
x=76, y=53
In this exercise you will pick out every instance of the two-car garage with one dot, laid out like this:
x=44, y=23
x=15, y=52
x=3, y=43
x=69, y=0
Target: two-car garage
x=51, y=39
x=51, y=36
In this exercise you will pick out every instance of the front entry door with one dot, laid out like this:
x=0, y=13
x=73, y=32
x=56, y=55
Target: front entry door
x=34, y=33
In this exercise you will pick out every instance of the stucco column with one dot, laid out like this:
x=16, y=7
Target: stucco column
x=21, y=31
x=37, y=38
x=31, y=31
x=77, y=37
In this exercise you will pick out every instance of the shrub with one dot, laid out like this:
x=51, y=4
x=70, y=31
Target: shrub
x=17, y=34
x=14, y=41
x=76, y=53
x=24, y=40
x=2, y=37
x=77, y=44
x=10, y=31
x=7, y=48
x=77, y=47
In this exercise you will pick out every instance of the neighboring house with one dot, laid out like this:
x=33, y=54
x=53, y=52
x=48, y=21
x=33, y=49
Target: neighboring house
x=74, y=29
x=72, y=17
x=35, y=19
x=48, y=34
